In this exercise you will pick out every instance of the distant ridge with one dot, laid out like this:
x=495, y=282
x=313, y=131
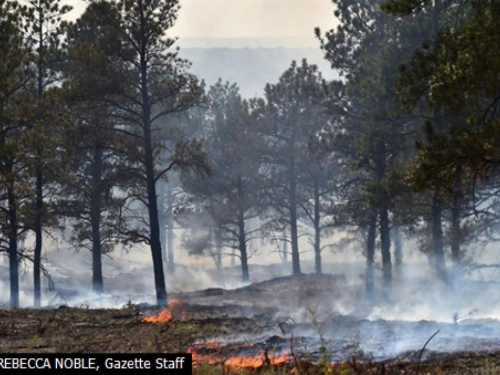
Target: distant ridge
x=251, y=68
x=250, y=42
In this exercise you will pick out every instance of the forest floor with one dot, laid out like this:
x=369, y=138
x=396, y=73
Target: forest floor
x=279, y=326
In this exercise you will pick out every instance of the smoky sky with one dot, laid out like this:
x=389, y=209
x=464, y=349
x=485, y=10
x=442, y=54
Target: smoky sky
x=245, y=18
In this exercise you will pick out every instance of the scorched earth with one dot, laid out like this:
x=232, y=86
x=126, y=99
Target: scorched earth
x=281, y=325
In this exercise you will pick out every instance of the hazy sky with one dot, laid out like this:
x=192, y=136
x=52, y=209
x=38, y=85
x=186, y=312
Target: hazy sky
x=252, y=18
x=247, y=18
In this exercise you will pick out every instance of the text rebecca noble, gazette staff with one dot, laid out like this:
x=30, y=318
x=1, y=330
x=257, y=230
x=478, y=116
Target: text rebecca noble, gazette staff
x=109, y=363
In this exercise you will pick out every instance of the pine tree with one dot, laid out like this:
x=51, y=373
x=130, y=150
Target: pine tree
x=147, y=83
x=14, y=114
x=230, y=197
x=366, y=48
x=44, y=30
x=287, y=120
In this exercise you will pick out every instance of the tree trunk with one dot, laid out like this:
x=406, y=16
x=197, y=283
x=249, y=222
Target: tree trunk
x=13, y=256
x=233, y=257
x=161, y=221
x=385, y=236
x=242, y=240
x=437, y=236
x=170, y=228
x=156, y=252
x=243, y=247
x=455, y=237
x=295, y=240
x=218, y=248
x=437, y=203
x=317, y=227
x=398, y=248
x=95, y=218
x=39, y=206
x=293, y=216
x=14, y=274
x=370, y=254
x=284, y=257
x=385, y=242
x=37, y=256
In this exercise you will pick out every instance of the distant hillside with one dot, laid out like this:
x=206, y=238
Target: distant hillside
x=250, y=68
x=250, y=42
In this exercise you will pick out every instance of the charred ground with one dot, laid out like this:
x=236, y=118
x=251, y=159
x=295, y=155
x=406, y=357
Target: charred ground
x=264, y=324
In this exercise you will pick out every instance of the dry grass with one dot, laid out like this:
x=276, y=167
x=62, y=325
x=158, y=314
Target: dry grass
x=73, y=330
x=348, y=368
x=77, y=330
x=206, y=315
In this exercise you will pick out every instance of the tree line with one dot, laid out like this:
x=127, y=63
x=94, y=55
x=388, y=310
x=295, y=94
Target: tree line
x=106, y=138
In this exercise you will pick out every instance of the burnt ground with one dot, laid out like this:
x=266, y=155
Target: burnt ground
x=283, y=321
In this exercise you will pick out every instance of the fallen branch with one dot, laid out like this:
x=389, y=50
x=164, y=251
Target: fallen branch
x=474, y=267
x=423, y=348
x=456, y=317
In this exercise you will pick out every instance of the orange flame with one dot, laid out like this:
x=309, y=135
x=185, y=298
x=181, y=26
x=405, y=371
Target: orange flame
x=238, y=361
x=165, y=315
x=256, y=361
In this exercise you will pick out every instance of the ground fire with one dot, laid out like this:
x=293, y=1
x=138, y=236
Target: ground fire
x=165, y=315
x=214, y=353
